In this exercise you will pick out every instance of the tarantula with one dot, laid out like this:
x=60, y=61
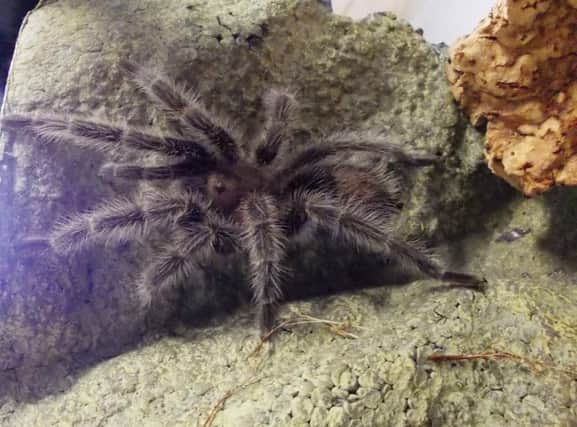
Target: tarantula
x=252, y=197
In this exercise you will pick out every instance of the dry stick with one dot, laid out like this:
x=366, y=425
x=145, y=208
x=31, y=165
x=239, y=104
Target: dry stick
x=269, y=334
x=534, y=365
x=338, y=328
x=220, y=404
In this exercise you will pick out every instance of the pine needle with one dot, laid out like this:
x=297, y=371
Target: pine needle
x=220, y=404
x=341, y=329
x=534, y=365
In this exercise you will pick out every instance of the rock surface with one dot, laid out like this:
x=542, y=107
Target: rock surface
x=311, y=377
x=60, y=317
x=517, y=72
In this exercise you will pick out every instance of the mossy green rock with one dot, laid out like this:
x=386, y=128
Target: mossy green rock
x=59, y=317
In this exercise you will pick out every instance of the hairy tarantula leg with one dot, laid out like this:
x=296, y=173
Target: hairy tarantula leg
x=313, y=178
x=197, y=237
x=116, y=221
x=370, y=141
x=413, y=257
x=185, y=107
x=100, y=136
x=122, y=220
x=370, y=230
x=176, y=263
x=159, y=283
x=186, y=168
x=265, y=242
x=279, y=109
x=379, y=187
x=348, y=143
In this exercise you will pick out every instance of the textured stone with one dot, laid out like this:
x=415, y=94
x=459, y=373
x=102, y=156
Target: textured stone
x=232, y=53
x=370, y=380
x=52, y=308
x=337, y=417
x=321, y=398
x=319, y=418
x=353, y=409
x=372, y=399
x=348, y=381
x=301, y=409
x=517, y=71
x=339, y=393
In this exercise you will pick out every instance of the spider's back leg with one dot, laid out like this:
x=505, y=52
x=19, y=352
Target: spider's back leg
x=377, y=186
x=198, y=234
x=331, y=151
x=369, y=229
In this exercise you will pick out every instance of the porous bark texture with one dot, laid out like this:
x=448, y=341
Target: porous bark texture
x=516, y=72
x=60, y=317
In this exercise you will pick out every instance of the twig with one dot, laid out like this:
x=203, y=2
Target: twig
x=220, y=404
x=286, y=324
x=339, y=328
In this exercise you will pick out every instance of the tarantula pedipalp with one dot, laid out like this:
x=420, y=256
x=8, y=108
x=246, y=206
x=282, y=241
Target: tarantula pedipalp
x=232, y=197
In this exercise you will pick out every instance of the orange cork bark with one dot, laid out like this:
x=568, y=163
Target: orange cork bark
x=518, y=72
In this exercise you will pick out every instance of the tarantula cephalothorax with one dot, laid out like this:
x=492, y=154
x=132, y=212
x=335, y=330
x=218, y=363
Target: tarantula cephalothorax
x=228, y=196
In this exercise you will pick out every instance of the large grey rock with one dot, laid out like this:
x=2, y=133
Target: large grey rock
x=310, y=376
x=57, y=315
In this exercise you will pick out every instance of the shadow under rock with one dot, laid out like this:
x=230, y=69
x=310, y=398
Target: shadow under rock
x=326, y=269
x=62, y=315
x=29, y=384
x=560, y=237
x=487, y=195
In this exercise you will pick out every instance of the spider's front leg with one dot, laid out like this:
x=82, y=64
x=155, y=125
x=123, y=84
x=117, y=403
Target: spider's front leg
x=280, y=109
x=265, y=243
x=331, y=151
x=118, y=221
x=183, y=106
x=102, y=136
